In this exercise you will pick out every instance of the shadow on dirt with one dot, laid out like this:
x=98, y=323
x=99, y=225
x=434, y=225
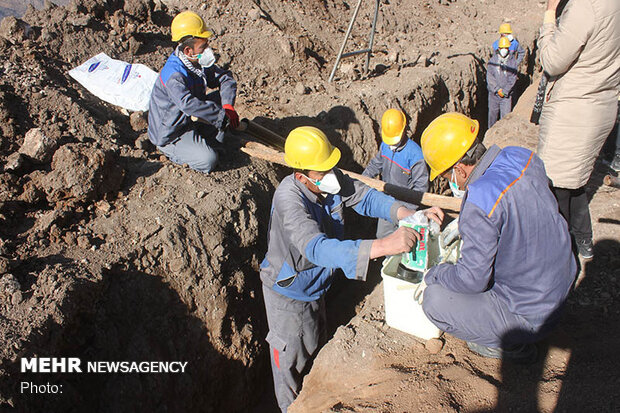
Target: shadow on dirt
x=137, y=317
x=590, y=330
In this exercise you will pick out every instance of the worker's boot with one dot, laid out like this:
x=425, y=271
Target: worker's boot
x=522, y=353
x=585, y=248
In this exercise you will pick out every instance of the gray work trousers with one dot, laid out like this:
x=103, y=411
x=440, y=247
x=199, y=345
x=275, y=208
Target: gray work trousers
x=498, y=107
x=296, y=331
x=482, y=318
x=196, y=148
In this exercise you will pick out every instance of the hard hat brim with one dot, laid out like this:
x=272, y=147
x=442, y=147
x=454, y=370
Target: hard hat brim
x=434, y=174
x=326, y=165
x=392, y=140
x=329, y=163
x=204, y=35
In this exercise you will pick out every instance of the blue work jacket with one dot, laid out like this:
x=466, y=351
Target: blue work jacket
x=179, y=94
x=515, y=242
x=404, y=167
x=306, y=244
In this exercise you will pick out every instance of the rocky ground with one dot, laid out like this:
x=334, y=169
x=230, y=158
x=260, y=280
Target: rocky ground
x=110, y=252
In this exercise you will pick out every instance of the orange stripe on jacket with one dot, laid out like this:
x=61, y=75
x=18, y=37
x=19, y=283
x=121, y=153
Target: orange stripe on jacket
x=499, y=198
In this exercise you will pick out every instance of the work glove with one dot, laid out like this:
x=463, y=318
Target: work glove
x=418, y=294
x=449, y=234
x=233, y=117
x=500, y=93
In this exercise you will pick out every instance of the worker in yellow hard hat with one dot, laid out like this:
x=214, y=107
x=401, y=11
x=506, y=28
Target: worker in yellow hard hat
x=505, y=32
x=186, y=123
x=502, y=74
x=399, y=161
x=306, y=246
x=516, y=266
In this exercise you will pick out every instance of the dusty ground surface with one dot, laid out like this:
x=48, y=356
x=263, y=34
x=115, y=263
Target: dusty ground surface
x=110, y=252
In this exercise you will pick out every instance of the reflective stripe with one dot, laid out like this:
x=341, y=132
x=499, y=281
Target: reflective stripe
x=511, y=184
x=396, y=163
x=276, y=358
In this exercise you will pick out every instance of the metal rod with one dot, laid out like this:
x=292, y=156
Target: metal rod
x=344, y=42
x=372, y=37
x=348, y=54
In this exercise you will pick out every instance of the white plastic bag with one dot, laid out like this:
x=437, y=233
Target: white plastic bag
x=119, y=83
x=418, y=218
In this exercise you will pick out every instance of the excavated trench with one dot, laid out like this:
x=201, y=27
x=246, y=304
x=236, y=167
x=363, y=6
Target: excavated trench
x=186, y=286
x=163, y=265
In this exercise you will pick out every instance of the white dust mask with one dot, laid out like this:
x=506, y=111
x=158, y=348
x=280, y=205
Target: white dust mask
x=503, y=52
x=207, y=58
x=329, y=184
x=510, y=37
x=458, y=193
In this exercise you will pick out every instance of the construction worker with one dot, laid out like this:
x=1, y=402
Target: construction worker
x=306, y=246
x=501, y=80
x=180, y=93
x=505, y=31
x=516, y=266
x=399, y=162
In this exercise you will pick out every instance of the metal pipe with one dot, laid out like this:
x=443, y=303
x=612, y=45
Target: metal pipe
x=372, y=36
x=346, y=37
x=262, y=133
x=348, y=54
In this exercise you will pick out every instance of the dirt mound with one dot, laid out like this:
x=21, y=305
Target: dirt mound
x=81, y=173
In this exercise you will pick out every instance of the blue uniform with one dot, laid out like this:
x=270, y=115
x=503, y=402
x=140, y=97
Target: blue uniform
x=404, y=167
x=305, y=247
x=515, y=49
x=516, y=266
x=502, y=74
x=179, y=94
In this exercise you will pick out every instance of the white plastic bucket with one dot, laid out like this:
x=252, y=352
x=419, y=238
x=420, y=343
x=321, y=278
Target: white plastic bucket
x=402, y=312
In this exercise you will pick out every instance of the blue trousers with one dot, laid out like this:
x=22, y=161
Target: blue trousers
x=296, y=330
x=481, y=318
x=196, y=148
x=498, y=107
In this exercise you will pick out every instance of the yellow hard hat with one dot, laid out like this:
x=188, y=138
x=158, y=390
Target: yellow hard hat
x=505, y=28
x=188, y=23
x=393, y=125
x=307, y=147
x=504, y=42
x=446, y=140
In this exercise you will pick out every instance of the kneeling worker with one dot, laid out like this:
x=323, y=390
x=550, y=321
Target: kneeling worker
x=180, y=93
x=516, y=268
x=306, y=246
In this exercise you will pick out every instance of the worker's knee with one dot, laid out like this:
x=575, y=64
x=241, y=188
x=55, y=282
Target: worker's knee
x=205, y=163
x=434, y=301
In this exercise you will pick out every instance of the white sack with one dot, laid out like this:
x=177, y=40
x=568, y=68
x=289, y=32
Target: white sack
x=119, y=83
